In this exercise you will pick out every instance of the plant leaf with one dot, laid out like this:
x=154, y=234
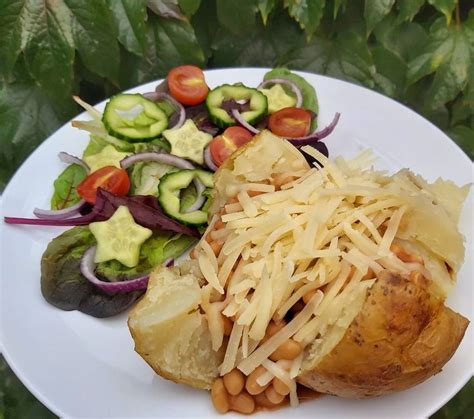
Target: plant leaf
x=265, y=7
x=444, y=6
x=307, y=13
x=65, y=193
x=10, y=34
x=264, y=46
x=236, y=16
x=205, y=25
x=189, y=7
x=463, y=136
x=390, y=76
x=375, y=11
x=461, y=111
x=130, y=17
x=166, y=8
x=137, y=70
x=407, y=9
x=347, y=57
x=406, y=40
x=48, y=46
x=448, y=53
x=337, y=6
x=26, y=118
x=95, y=36
x=176, y=44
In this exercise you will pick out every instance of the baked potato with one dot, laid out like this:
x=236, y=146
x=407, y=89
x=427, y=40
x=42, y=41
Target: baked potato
x=331, y=277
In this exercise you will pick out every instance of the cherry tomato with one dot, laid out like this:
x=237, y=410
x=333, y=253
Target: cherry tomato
x=187, y=84
x=222, y=146
x=110, y=178
x=290, y=122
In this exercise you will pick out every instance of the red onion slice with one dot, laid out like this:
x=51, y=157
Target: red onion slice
x=238, y=117
x=315, y=135
x=163, y=158
x=169, y=262
x=208, y=159
x=87, y=268
x=60, y=214
x=296, y=90
x=70, y=159
x=155, y=96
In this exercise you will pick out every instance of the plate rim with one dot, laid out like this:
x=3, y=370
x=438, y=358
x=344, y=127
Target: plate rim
x=22, y=376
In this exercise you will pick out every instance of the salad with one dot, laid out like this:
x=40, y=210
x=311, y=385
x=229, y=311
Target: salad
x=139, y=195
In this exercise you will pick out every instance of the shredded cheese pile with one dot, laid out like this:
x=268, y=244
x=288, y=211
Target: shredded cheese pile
x=329, y=230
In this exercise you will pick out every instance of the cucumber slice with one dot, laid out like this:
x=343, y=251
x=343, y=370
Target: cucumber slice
x=188, y=142
x=134, y=118
x=169, y=195
x=257, y=102
x=119, y=238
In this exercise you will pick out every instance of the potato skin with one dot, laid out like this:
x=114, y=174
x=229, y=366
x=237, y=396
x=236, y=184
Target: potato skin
x=401, y=337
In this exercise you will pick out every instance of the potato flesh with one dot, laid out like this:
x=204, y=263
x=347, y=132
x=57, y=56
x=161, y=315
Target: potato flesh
x=171, y=334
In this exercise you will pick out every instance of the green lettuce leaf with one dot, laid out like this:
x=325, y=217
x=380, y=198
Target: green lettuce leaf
x=63, y=285
x=65, y=193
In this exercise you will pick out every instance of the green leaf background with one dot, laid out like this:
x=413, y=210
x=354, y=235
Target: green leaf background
x=420, y=52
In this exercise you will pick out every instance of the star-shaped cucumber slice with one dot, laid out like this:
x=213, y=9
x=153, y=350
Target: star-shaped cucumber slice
x=278, y=98
x=119, y=238
x=108, y=156
x=188, y=142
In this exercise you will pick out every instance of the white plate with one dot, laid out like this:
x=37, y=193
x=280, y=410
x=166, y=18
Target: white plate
x=80, y=366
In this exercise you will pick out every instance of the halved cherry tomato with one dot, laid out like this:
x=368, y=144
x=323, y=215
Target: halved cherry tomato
x=110, y=178
x=187, y=84
x=290, y=122
x=222, y=146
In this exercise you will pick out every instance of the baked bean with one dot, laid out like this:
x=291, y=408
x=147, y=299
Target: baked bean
x=208, y=238
x=273, y=395
x=219, y=225
x=280, y=387
x=242, y=403
x=227, y=325
x=308, y=296
x=281, y=179
x=251, y=384
x=404, y=256
x=370, y=274
x=262, y=400
x=287, y=350
x=216, y=247
x=234, y=382
x=272, y=328
x=219, y=396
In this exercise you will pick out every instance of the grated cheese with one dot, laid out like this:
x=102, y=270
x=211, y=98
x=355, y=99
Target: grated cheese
x=326, y=227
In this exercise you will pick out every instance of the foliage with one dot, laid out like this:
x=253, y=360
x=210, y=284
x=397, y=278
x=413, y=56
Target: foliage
x=421, y=52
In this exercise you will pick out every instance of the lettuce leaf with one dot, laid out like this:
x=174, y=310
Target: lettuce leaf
x=63, y=285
